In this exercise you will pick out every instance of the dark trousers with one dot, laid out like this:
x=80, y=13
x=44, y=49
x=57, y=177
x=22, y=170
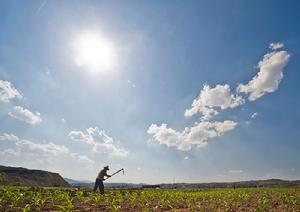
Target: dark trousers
x=99, y=183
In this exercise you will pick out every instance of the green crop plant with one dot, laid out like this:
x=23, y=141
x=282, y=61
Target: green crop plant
x=69, y=204
x=27, y=208
x=79, y=194
x=3, y=176
x=40, y=203
x=15, y=198
x=264, y=202
x=289, y=199
x=55, y=199
x=115, y=204
x=132, y=197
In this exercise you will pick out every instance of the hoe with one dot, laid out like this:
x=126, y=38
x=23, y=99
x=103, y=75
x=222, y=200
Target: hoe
x=117, y=172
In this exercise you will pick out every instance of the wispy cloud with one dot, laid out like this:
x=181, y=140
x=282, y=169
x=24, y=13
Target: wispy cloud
x=8, y=137
x=99, y=141
x=41, y=7
x=40, y=150
x=8, y=91
x=9, y=152
x=239, y=171
x=131, y=83
x=253, y=116
x=275, y=46
x=25, y=115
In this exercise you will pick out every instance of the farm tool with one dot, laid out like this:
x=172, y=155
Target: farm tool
x=121, y=170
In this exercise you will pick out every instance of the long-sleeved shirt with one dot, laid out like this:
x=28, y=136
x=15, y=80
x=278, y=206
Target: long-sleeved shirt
x=101, y=174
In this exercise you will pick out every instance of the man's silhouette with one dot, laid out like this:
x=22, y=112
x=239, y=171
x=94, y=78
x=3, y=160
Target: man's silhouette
x=100, y=179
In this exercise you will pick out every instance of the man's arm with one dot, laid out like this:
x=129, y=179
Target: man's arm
x=105, y=174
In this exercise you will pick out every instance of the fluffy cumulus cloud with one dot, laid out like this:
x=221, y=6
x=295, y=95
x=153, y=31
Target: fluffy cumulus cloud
x=25, y=115
x=269, y=76
x=212, y=100
x=42, y=150
x=99, y=141
x=219, y=96
x=197, y=135
x=8, y=92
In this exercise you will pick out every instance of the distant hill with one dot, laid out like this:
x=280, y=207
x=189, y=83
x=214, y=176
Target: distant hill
x=90, y=184
x=29, y=177
x=74, y=182
x=241, y=184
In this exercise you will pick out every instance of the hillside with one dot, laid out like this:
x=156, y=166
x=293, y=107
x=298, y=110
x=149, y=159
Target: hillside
x=29, y=177
x=74, y=182
x=90, y=185
x=240, y=184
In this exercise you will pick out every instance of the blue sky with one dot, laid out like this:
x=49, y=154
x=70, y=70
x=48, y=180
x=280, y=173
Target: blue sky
x=198, y=91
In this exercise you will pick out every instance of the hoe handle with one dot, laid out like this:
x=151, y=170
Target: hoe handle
x=116, y=172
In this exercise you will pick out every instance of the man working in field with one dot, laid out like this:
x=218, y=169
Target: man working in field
x=100, y=179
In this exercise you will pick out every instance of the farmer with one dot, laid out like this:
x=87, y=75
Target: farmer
x=100, y=179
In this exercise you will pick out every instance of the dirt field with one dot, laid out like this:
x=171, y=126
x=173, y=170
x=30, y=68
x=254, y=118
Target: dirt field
x=242, y=199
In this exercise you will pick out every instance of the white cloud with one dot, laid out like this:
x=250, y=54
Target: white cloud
x=209, y=98
x=81, y=157
x=9, y=151
x=49, y=150
x=8, y=137
x=275, y=46
x=221, y=97
x=197, y=135
x=110, y=148
x=269, y=76
x=25, y=115
x=131, y=83
x=186, y=157
x=253, y=116
x=79, y=136
x=8, y=92
x=100, y=141
x=235, y=171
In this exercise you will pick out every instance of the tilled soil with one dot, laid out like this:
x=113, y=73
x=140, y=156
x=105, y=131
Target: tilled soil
x=249, y=200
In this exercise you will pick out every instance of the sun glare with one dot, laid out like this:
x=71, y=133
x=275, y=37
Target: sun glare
x=94, y=52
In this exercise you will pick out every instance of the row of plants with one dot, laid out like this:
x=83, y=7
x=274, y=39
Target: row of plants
x=49, y=199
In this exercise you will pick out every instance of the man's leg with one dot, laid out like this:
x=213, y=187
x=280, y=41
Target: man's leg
x=96, y=185
x=101, y=187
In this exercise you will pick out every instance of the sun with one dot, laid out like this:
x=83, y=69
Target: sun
x=94, y=53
